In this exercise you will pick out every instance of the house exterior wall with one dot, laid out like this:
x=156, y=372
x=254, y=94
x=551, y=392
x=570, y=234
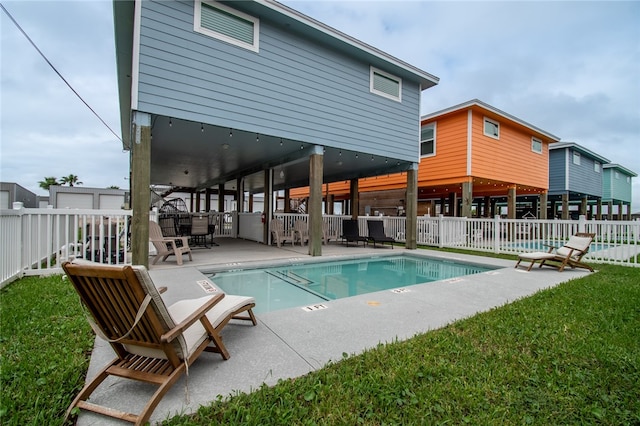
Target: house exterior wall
x=13, y=192
x=582, y=177
x=75, y=197
x=618, y=189
x=293, y=87
x=557, y=171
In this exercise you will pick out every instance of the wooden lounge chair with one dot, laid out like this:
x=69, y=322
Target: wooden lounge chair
x=279, y=234
x=301, y=232
x=569, y=254
x=329, y=234
x=167, y=246
x=153, y=343
x=350, y=232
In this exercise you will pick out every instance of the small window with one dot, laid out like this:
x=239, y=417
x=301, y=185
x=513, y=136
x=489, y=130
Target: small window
x=596, y=167
x=576, y=158
x=384, y=84
x=428, y=140
x=536, y=145
x=226, y=24
x=617, y=174
x=628, y=179
x=491, y=128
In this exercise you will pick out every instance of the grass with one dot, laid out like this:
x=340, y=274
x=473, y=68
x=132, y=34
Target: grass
x=568, y=355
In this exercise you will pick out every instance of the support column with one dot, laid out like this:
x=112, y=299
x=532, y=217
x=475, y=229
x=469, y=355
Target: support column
x=620, y=214
x=609, y=210
x=140, y=193
x=411, y=235
x=583, y=206
x=196, y=206
x=467, y=199
x=355, y=199
x=315, y=203
x=207, y=200
x=287, y=201
x=543, y=206
x=487, y=207
x=221, y=198
x=565, y=206
x=239, y=201
x=329, y=203
x=511, y=203
x=453, y=204
x=268, y=199
x=599, y=207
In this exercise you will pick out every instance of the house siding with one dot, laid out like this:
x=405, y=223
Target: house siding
x=557, y=172
x=293, y=88
x=616, y=189
x=582, y=177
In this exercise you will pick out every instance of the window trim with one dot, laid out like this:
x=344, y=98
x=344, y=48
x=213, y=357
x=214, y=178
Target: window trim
x=197, y=25
x=434, y=125
x=575, y=158
x=373, y=70
x=495, y=123
x=533, y=141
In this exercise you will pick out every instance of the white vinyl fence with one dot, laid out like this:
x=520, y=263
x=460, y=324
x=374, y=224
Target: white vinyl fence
x=37, y=241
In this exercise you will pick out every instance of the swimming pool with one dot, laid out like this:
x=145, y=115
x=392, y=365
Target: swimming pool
x=311, y=284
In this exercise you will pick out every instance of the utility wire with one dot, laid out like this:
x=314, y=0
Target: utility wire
x=57, y=72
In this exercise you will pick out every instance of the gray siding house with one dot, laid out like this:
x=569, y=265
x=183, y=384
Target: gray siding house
x=255, y=96
x=616, y=189
x=575, y=179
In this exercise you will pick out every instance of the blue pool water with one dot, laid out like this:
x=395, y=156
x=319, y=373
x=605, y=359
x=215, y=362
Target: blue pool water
x=302, y=285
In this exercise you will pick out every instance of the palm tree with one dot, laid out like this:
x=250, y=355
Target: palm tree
x=70, y=180
x=47, y=182
x=113, y=187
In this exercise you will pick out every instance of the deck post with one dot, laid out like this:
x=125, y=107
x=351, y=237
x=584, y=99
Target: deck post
x=140, y=183
x=467, y=199
x=511, y=202
x=221, y=198
x=543, y=205
x=355, y=199
x=565, y=206
x=268, y=208
x=315, y=202
x=411, y=235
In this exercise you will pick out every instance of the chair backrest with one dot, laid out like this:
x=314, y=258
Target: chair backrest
x=155, y=235
x=577, y=245
x=277, y=226
x=169, y=226
x=301, y=226
x=376, y=228
x=199, y=225
x=113, y=295
x=350, y=227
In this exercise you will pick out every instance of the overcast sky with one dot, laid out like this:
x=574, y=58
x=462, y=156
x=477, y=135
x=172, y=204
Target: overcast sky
x=570, y=68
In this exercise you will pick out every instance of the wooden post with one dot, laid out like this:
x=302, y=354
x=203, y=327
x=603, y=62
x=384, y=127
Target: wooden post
x=543, y=206
x=599, y=207
x=207, y=200
x=268, y=199
x=287, y=200
x=140, y=183
x=355, y=199
x=467, y=199
x=583, y=206
x=221, y=198
x=565, y=206
x=453, y=204
x=315, y=203
x=511, y=203
x=411, y=235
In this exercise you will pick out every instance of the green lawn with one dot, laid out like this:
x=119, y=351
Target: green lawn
x=568, y=355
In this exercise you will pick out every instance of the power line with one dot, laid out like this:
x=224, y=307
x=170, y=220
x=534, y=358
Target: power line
x=57, y=72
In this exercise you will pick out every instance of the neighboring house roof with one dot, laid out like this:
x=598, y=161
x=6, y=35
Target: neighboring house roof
x=619, y=168
x=581, y=149
x=479, y=103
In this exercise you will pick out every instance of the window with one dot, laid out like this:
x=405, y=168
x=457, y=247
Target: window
x=617, y=175
x=226, y=24
x=384, y=84
x=576, y=158
x=428, y=140
x=536, y=145
x=596, y=167
x=628, y=179
x=491, y=128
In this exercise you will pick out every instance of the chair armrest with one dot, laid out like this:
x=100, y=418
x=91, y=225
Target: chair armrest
x=195, y=316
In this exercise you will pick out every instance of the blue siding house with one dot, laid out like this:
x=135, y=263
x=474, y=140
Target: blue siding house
x=616, y=190
x=575, y=179
x=252, y=97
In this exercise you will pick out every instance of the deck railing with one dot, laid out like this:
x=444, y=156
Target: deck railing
x=37, y=241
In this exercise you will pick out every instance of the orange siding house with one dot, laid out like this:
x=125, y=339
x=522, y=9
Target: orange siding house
x=472, y=156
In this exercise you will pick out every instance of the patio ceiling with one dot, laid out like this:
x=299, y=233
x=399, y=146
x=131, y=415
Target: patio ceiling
x=196, y=156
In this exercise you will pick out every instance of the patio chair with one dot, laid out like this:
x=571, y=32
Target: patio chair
x=329, y=234
x=376, y=233
x=279, y=234
x=167, y=246
x=569, y=254
x=300, y=232
x=153, y=343
x=350, y=232
x=200, y=229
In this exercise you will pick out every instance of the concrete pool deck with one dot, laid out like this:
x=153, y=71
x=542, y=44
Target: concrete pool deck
x=293, y=342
